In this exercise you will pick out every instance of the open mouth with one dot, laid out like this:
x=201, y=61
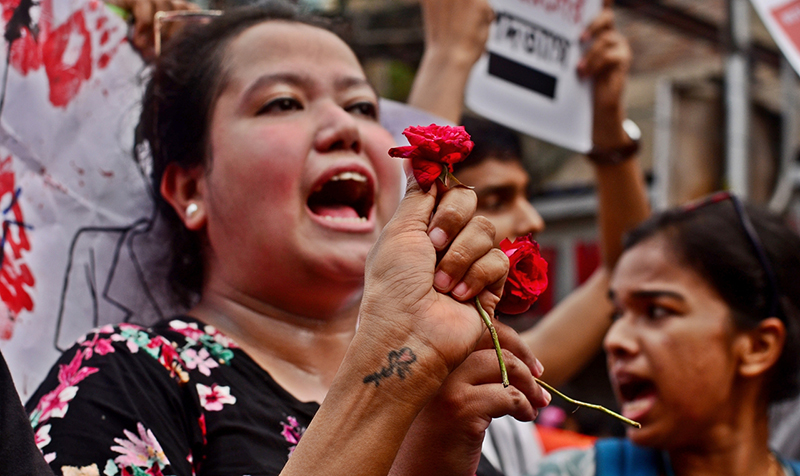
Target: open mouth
x=347, y=197
x=634, y=389
x=637, y=397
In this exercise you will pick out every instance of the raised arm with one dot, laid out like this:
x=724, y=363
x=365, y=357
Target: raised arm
x=571, y=334
x=410, y=337
x=455, y=37
x=141, y=13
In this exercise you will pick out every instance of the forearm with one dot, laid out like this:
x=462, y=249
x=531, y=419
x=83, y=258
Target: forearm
x=622, y=204
x=572, y=333
x=621, y=192
x=440, y=83
x=361, y=424
x=567, y=338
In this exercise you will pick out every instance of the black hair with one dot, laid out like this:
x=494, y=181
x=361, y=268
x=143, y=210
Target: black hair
x=177, y=106
x=712, y=242
x=492, y=141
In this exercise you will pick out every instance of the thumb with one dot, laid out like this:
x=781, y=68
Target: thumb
x=416, y=207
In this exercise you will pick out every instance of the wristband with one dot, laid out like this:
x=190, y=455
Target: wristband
x=617, y=155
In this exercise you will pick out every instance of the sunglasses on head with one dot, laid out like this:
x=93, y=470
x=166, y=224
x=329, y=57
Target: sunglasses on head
x=750, y=232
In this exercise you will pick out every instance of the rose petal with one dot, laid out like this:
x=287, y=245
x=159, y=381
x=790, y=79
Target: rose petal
x=432, y=147
x=402, y=152
x=527, y=275
x=426, y=172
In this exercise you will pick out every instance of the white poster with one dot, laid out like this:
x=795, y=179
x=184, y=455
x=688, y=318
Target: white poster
x=782, y=19
x=78, y=226
x=527, y=81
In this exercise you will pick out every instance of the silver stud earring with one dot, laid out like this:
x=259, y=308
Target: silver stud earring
x=191, y=210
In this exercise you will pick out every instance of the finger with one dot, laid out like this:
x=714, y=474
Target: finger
x=482, y=392
x=602, y=22
x=415, y=209
x=489, y=271
x=163, y=5
x=474, y=241
x=510, y=340
x=454, y=211
x=143, y=12
x=609, y=51
x=523, y=393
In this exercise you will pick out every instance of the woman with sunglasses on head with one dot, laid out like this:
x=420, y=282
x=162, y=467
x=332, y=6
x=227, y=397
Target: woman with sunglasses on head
x=705, y=339
x=275, y=181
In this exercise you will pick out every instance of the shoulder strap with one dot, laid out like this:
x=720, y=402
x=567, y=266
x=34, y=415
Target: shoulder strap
x=620, y=457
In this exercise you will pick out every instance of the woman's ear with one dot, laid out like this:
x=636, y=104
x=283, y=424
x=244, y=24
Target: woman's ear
x=761, y=347
x=184, y=190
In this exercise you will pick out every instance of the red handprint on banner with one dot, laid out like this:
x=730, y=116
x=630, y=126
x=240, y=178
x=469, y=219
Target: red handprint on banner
x=69, y=52
x=16, y=278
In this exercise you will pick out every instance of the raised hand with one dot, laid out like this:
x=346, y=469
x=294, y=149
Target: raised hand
x=143, y=12
x=607, y=61
x=455, y=37
x=415, y=328
x=411, y=294
x=447, y=435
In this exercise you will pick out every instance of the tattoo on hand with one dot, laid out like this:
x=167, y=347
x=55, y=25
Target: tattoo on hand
x=399, y=362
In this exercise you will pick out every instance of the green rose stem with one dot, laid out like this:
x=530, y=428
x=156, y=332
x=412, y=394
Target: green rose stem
x=504, y=373
x=589, y=405
x=488, y=322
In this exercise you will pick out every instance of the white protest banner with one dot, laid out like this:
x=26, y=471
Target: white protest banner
x=527, y=80
x=782, y=19
x=78, y=226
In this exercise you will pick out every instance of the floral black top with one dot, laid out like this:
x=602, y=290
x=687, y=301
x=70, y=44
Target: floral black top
x=177, y=399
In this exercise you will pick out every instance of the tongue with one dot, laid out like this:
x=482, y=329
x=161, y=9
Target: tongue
x=639, y=407
x=335, y=211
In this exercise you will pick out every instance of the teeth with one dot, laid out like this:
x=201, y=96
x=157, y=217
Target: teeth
x=345, y=219
x=349, y=176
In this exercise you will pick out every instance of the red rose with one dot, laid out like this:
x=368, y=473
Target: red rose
x=432, y=148
x=527, y=275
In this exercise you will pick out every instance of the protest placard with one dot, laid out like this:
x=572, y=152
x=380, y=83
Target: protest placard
x=527, y=78
x=782, y=19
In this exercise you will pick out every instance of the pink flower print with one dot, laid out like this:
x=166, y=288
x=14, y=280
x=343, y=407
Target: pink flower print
x=292, y=432
x=186, y=329
x=202, y=423
x=133, y=347
x=42, y=436
x=103, y=346
x=42, y=439
x=170, y=359
x=220, y=338
x=140, y=451
x=202, y=361
x=214, y=397
x=73, y=373
x=98, y=345
x=55, y=403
